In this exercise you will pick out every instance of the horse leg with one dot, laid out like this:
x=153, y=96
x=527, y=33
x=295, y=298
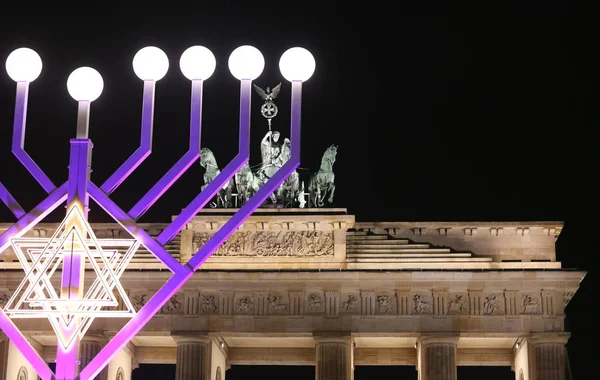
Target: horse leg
x=320, y=197
x=332, y=189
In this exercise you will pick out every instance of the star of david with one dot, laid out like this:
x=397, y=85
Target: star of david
x=37, y=297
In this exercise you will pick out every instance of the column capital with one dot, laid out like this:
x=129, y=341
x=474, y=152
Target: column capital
x=200, y=337
x=332, y=337
x=549, y=338
x=425, y=340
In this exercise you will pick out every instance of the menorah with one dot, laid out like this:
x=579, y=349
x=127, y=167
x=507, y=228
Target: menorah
x=72, y=308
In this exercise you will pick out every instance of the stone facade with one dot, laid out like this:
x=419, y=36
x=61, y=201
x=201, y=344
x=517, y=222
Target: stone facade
x=315, y=287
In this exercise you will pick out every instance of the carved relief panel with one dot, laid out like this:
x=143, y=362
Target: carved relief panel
x=244, y=304
x=4, y=297
x=278, y=304
x=350, y=303
x=458, y=303
x=272, y=244
x=315, y=303
x=422, y=303
x=493, y=304
x=208, y=303
x=139, y=298
x=386, y=303
x=530, y=303
x=174, y=305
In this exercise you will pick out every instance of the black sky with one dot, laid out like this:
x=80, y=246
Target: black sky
x=457, y=112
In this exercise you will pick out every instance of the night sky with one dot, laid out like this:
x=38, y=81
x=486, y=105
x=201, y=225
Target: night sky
x=478, y=112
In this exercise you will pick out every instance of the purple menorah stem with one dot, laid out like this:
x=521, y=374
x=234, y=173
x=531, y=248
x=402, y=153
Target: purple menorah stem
x=145, y=148
x=18, y=141
x=73, y=268
x=224, y=176
x=10, y=202
x=184, y=162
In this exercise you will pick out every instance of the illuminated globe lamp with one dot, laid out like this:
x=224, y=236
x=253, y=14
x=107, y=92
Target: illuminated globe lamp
x=297, y=64
x=24, y=65
x=246, y=63
x=197, y=63
x=85, y=85
x=150, y=63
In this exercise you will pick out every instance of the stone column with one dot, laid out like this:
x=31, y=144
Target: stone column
x=335, y=357
x=193, y=357
x=541, y=357
x=89, y=347
x=436, y=358
x=4, y=346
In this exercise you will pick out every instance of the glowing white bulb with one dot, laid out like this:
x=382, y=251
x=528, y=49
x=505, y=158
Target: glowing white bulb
x=85, y=83
x=197, y=62
x=297, y=64
x=150, y=63
x=246, y=62
x=23, y=65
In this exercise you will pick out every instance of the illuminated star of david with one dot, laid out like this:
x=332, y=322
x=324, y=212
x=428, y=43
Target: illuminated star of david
x=37, y=297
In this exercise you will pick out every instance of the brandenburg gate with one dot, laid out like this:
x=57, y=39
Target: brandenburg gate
x=272, y=273
x=313, y=287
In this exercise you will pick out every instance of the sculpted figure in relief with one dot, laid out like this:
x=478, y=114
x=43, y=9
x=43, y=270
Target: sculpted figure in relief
x=245, y=305
x=350, y=304
x=457, y=305
x=3, y=299
x=385, y=306
x=314, y=302
x=529, y=305
x=207, y=304
x=276, y=306
x=138, y=301
x=173, y=306
x=421, y=305
x=490, y=305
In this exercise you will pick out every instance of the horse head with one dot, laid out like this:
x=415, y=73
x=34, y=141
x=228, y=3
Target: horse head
x=207, y=158
x=330, y=154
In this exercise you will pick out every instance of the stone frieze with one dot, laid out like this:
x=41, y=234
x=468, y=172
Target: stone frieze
x=272, y=244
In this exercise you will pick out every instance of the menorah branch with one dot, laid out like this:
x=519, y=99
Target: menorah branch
x=224, y=176
x=184, y=162
x=145, y=148
x=16, y=338
x=34, y=216
x=18, y=141
x=130, y=226
x=10, y=202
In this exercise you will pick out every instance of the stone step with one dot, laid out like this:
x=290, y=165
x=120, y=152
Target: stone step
x=398, y=247
x=410, y=250
x=424, y=260
x=358, y=233
x=379, y=242
x=391, y=255
x=367, y=237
